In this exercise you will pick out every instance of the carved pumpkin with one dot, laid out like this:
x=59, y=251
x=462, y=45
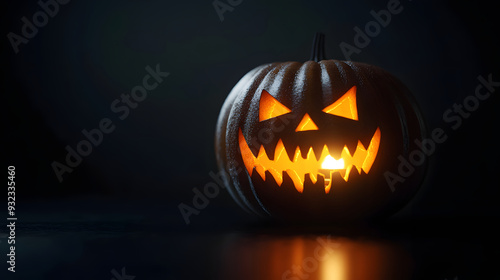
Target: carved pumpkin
x=311, y=141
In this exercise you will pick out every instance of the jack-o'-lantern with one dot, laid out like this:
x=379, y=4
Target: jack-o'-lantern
x=311, y=141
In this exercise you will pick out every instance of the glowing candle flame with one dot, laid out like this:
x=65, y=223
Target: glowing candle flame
x=331, y=163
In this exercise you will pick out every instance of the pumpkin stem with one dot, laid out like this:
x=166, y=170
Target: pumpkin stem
x=318, y=48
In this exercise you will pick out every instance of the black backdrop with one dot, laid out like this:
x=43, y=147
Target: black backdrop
x=65, y=78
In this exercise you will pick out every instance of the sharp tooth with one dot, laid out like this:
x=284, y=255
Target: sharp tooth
x=359, y=156
x=254, y=146
x=280, y=151
x=372, y=151
x=261, y=170
x=342, y=172
x=313, y=177
x=346, y=151
x=324, y=153
x=289, y=149
x=335, y=150
x=352, y=146
x=304, y=151
x=297, y=154
x=269, y=150
x=353, y=174
x=258, y=166
x=278, y=177
x=262, y=153
x=345, y=176
x=311, y=155
x=297, y=182
x=365, y=142
x=318, y=151
x=360, y=146
x=346, y=155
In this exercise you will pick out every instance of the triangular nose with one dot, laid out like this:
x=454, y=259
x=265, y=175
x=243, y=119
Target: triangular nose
x=306, y=124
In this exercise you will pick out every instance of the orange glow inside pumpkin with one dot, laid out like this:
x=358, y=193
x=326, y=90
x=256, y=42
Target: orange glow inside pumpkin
x=311, y=164
x=330, y=163
x=299, y=166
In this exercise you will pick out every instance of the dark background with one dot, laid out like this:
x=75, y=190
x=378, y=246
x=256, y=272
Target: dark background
x=65, y=78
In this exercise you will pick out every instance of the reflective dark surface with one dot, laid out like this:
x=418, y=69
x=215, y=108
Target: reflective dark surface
x=315, y=257
x=93, y=238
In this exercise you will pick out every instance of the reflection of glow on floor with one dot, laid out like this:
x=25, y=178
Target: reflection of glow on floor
x=333, y=266
x=316, y=257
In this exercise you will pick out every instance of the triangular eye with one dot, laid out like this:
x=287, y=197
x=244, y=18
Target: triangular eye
x=345, y=106
x=269, y=107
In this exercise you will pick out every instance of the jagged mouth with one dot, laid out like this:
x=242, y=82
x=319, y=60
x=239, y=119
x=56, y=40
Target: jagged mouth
x=299, y=166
